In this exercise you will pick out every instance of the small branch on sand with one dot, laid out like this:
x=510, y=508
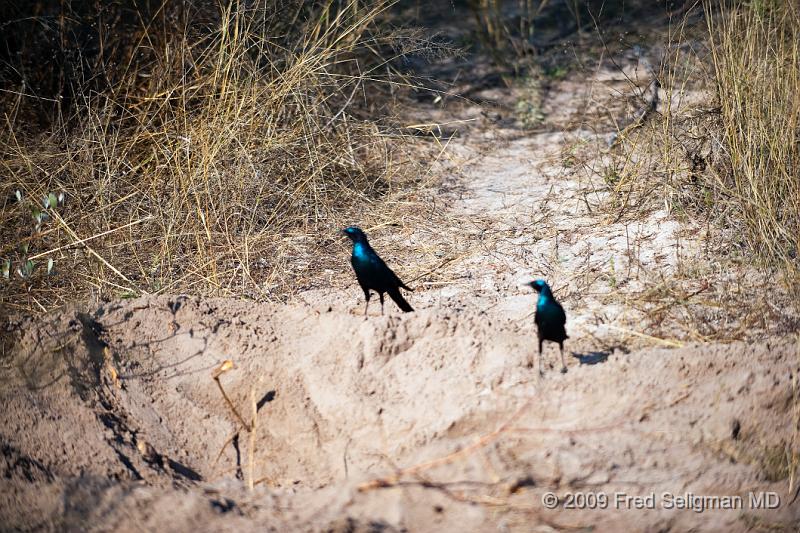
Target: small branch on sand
x=250, y=427
x=251, y=447
x=506, y=427
x=221, y=369
x=650, y=97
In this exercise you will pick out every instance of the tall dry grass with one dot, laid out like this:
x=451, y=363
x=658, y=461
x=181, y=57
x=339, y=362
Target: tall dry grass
x=719, y=149
x=723, y=145
x=755, y=49
x=211, y=150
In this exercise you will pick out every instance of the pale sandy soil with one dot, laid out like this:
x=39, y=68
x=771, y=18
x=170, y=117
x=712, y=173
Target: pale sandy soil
x=112, y=421
x=431, y=421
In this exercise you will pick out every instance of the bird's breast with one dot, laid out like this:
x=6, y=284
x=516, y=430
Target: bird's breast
x=361, y=257
x=359, y=251
x=541, y=303
x=547, y=310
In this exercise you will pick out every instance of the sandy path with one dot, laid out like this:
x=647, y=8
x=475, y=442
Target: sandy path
x=527, y=203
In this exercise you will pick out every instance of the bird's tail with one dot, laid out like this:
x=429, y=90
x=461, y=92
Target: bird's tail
x=401, y=302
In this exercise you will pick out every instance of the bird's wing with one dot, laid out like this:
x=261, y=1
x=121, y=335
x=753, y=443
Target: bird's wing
x=386, y=271
x=559, y=313
x=397, y=279
x=551, y=312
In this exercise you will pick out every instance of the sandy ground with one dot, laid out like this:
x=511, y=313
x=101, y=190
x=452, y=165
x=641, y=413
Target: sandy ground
x=427, y=422
x=430, y=421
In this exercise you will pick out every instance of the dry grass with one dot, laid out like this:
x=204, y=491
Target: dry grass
x=709, y=138
x=731, y=161
x=217, y=154
x=756, y=56
x=721, y=153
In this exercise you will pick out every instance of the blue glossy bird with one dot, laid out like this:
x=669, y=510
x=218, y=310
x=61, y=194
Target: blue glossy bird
x=372, y=273
x=550, y=320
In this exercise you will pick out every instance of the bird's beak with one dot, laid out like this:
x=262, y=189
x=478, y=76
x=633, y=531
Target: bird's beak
x=532, y=285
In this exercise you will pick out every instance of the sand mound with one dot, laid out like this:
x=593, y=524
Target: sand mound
x=112, y=419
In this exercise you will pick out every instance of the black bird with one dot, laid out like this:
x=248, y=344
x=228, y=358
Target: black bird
x=372, y=273
x=550, y=320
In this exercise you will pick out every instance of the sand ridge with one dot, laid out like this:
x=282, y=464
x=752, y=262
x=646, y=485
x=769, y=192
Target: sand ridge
x=121, y=426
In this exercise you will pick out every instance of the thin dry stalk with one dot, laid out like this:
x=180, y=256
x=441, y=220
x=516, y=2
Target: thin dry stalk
x=251, y=427
x=251, y=448
x=224, y=367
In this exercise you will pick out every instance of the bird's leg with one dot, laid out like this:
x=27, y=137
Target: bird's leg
x=563, y=365
x=380, y=295
x=541, y=370
x=366, y=295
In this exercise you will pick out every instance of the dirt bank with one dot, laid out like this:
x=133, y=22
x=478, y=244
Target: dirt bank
x=112, y=419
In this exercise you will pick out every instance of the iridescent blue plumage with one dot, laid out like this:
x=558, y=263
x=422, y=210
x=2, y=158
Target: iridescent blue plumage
x=372, y=273
x=550, y=320
x=360, y=251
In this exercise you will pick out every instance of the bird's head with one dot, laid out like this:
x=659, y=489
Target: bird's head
x=539, y=285
x=355, y=234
